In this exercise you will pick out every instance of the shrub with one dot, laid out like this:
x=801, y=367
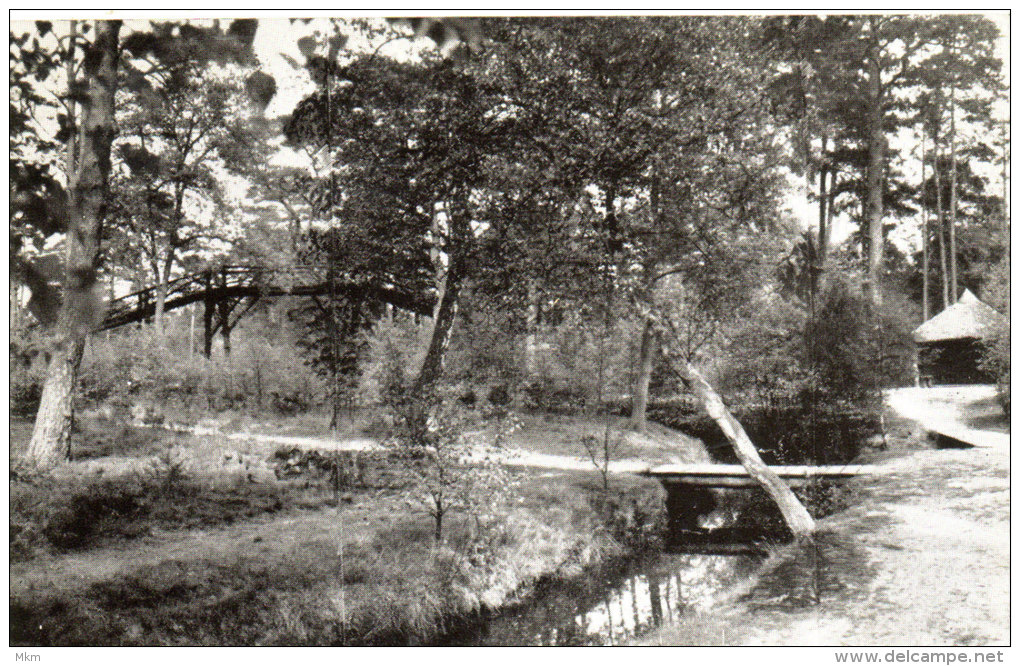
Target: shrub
x=26, y=392
x=27, y=371
x=807, y=386
x=634, y=517
x=995, y=361
x=134, y=367
x=67, y=517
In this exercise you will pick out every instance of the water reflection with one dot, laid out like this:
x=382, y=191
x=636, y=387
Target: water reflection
x=618, y=607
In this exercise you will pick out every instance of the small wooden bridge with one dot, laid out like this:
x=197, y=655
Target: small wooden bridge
x=223, y=290
x=690, y=488
x=735, y=476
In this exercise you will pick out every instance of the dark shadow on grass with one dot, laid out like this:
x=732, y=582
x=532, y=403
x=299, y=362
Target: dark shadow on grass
x=946, y=442
x=833, y=565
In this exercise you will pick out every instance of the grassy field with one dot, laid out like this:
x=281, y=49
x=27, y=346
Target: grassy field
x=551, y=434
x=155, y=538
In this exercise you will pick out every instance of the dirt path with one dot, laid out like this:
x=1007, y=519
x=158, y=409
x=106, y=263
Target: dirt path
x=922, y=557
x=512, y=456
x=935, y=535
x=970, y=414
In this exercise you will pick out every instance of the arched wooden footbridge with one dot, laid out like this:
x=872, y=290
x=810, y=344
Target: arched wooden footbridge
x=229, y=292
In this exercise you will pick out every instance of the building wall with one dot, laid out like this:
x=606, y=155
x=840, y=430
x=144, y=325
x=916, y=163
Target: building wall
x=951, y=362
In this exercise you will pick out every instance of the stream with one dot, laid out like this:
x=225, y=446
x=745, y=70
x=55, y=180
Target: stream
x=613, y=607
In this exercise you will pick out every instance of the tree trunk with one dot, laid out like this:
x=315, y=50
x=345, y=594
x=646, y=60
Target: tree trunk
x=953, y=292
x=639, y=406
x=875, y=176
x=1005, y=177
x=797, y=518
x=531, y=332
x=87, y=189
x=925, y=305
x=207, y=315
x=941, y=218
x=830, y=213
x=446, y=310
x=823, y=203
x=646, y=362
x=438, y=515
x=191, y=331
x=442, y=331
x=51, y=437
x=159, y=315
x=818, y=270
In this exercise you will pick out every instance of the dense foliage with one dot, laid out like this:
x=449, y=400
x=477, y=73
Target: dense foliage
x=564, y=190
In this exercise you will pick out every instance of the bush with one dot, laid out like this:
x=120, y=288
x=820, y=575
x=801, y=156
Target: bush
x=27, y=371
x=26, y=392
x=137, y=366
x=995, y=361
x=635, y=517
x=393, y=345
x=807, y=386
x=67, y=517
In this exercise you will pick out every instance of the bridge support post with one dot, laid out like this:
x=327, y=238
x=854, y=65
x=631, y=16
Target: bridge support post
x=207, y=316
x=225, y=307
x=225, y=334
x=685, y=505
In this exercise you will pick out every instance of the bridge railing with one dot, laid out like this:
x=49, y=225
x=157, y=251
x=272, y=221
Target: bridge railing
x=212, y=283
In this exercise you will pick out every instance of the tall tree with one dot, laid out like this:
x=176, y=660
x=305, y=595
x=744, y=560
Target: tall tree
x=87, y=187
x=653, y=118
x=79, y=210
x=416, y=145
x=174, y=130
x=861, y=73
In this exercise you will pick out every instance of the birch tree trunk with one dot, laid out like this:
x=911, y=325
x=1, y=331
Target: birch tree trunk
x=796, y=516
x=531, y=332
x=87, y=190
x=446, y=312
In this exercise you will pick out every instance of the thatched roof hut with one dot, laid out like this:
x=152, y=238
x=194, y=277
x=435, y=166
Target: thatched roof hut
x=949, y=344
x=967, y=318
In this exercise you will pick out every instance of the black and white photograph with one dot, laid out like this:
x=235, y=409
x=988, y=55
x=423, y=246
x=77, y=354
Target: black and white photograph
x=433, y=329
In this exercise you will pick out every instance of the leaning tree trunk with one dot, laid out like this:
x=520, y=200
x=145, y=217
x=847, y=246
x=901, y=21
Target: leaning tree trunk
x=797, y=518
x=442, y=331
x=639, y=403
x=875, y=178
x=87, y=189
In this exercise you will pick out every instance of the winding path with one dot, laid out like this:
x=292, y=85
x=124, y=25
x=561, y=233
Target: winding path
x=952, y=411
